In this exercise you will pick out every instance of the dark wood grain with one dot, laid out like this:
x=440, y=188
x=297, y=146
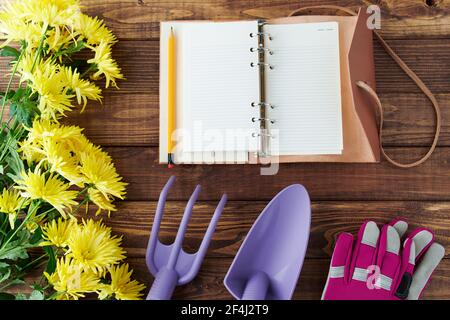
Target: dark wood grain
x=122, y=119
x=325, y=181
x=133, y=120
x=139, y=61
x=134, y=220
x=343, y=195
x=133, y=19
x=209, y=282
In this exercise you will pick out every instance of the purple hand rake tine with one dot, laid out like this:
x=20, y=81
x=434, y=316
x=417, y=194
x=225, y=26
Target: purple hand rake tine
x=156, y=225
x=170, y=265
x=205, y=243
x=174, y=254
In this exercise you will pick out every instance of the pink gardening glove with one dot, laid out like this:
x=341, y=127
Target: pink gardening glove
x=377, y=267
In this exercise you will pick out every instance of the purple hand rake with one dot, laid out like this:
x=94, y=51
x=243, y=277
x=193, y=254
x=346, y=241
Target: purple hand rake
x=169, y=264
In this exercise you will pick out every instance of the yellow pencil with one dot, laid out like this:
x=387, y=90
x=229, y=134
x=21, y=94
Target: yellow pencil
x=171, y=97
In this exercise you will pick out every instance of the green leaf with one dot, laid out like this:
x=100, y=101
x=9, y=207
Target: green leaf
x=4, y=274
x=1, y=169
x=15, y=253
x=36, y=237
x=51, y=264
x=16, y=282
x=15, y=163
x=24, y=111
x=21, y=296
x=8, y=51
x=18, y=95
x=6, y=296
x=74, y=48
x=36, y=295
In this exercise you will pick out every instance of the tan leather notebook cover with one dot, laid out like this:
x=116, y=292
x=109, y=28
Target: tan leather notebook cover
x=360, y=134
x=361, y=141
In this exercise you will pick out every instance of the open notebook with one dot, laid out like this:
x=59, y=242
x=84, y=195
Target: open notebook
x=247, y=87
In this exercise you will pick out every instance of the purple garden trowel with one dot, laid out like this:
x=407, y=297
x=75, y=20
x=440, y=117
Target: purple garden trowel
x=268, y=264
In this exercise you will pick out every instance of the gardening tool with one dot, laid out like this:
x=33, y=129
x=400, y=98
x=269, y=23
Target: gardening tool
x=169, y=264
x=378, y=267
x=268, y=264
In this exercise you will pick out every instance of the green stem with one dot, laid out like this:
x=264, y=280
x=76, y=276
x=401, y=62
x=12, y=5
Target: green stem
x=92, y=67
x=30, y=212
x=38, y=53
x=23, y=272
x=8, y=87
x=40, y=48
x=85, y=200
x=4, y=223
x=30, y=264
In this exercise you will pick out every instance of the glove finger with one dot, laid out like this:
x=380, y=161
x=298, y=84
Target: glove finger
x=365, y=251
x=400, y=225
x=424, y=270
x=388, y=258
x=340, y=262
x=416, y=244
x=404, y=278
x=423, y=238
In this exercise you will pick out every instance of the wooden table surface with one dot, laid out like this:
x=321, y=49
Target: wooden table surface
x=343, y=195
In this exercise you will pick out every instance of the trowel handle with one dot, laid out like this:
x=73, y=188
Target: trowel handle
x=163, y=285
x=257, y=287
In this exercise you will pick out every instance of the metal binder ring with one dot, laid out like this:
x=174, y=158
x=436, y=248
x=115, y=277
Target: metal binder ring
x=254, y=119
x=261, y=34
x=261, y=49
x=254, y=134
x=263, y=104
x=253, y=64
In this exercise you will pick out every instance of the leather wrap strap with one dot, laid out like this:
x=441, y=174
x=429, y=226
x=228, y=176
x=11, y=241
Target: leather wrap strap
x=373, y=95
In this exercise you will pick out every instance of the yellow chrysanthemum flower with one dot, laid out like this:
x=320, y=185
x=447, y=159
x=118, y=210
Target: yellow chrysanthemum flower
x=54, y=96
x=30, y=70
x=59, y=39
x=70, y=281
x=59, y=158
x=54, y=13
x=31, y=152
x=10, y=203
x=101, y=201
x=99, y=171
x=93, y=247
x=106, y=65
x=44, y=128
x=57, y=233
x=94, y=30
x=121, y=286
x=34, y=185
x=15, y=30
x=83, y=89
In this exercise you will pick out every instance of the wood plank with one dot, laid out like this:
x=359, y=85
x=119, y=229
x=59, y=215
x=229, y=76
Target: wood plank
x=133, y=220
x=139, y=61
x=325, y=181
x=133, y=120
x=209, y=282
x=132, y=19
x=208, y=285
x=122, y=119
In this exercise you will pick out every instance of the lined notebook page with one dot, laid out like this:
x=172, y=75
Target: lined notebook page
x=304, y=86
x=219, y=86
